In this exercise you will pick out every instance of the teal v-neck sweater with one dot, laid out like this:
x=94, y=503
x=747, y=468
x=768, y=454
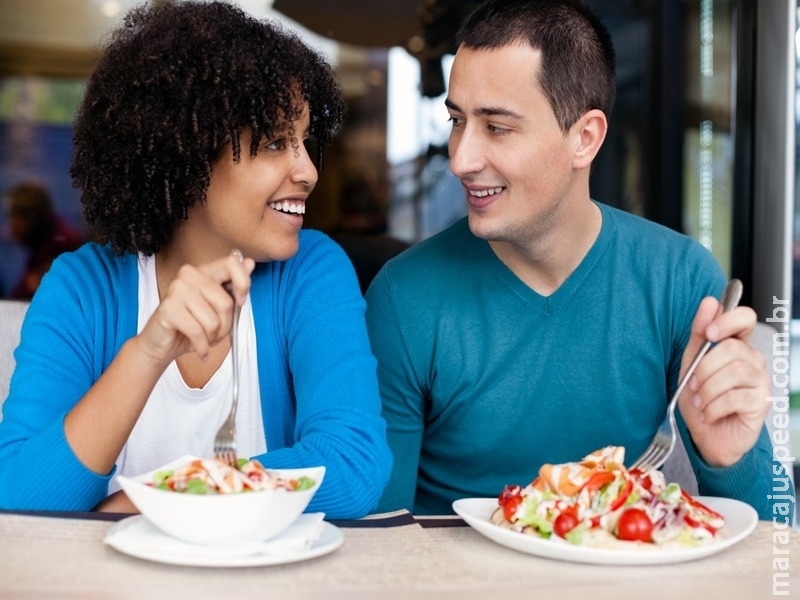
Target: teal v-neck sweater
x=483, y=380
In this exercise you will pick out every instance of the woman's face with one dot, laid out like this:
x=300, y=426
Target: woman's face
x=257, y=204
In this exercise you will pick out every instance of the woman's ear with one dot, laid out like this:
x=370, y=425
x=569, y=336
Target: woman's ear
x=590, y=130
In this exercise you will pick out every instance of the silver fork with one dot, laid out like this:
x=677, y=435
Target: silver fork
x=225, y=441
x=663, y=442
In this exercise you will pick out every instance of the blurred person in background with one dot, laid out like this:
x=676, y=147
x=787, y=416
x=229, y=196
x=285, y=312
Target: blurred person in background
x=44, y=234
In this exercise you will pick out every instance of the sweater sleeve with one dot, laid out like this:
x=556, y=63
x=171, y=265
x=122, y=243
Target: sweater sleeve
x=401, y=393
x=56, y=363
x=320, y=314
x=750, y=480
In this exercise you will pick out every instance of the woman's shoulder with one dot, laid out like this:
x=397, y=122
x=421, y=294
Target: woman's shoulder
x=92, y=255
x=319, y=248
x=318, y=257
x=93, y=269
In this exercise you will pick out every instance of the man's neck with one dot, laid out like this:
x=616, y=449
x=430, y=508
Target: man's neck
x=546, y=262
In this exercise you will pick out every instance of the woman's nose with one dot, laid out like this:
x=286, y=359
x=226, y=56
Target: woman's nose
x=304, y=170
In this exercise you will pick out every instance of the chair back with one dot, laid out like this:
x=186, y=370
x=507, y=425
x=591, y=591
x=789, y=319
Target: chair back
x=12, y=312
x=767, y=341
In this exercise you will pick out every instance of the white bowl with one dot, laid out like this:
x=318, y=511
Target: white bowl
x=236, y=517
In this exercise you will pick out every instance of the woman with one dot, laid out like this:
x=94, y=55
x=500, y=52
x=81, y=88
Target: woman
x=191, y=142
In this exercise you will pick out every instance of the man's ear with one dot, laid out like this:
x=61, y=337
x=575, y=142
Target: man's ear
x=590, y=130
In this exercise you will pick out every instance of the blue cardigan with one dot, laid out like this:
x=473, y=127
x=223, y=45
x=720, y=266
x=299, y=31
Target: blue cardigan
x=319, y=390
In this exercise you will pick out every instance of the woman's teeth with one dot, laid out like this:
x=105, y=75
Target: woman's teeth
x=483, y=193
x=297, y=208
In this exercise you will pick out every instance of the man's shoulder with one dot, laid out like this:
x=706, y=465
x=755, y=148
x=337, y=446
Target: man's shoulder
x=435, y=252
x=650, y=252
x=630, y=227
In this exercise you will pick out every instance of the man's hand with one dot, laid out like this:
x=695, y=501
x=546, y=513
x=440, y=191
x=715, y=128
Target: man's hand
x=725, y=403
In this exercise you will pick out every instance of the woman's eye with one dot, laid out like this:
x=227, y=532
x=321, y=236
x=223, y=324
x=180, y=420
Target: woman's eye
x=276, y=144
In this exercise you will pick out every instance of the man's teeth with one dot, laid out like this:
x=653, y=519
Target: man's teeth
x=482, y=193
x=298, y=208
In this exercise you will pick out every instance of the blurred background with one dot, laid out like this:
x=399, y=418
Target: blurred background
x=702, y=138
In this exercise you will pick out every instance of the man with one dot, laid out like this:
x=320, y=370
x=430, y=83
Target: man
x=545, y=325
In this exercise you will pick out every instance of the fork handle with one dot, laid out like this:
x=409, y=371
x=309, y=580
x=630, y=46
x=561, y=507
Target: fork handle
x=730, y=299
x=234, y=339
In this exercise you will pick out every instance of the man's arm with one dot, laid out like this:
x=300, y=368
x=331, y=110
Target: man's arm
x=401, y=396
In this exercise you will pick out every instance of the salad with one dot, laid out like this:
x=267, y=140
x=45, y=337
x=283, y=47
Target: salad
x=212, y=476
x=598, y=502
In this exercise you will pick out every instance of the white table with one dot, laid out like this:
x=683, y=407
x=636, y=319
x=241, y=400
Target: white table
x=386, y=558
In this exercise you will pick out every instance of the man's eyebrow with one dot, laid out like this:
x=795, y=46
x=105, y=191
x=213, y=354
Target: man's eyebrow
x=488, y=111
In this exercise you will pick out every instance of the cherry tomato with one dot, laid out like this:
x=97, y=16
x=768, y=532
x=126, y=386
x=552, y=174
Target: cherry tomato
x=564, y=523
x=510, y=498
x=634, y=525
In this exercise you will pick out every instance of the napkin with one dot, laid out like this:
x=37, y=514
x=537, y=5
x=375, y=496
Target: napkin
x=299, y=536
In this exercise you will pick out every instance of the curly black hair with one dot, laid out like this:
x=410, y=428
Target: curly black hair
x=177, y=82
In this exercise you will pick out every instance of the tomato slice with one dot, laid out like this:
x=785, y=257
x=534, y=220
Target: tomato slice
x=700, y=506
x=624, y=493
x=598, y=480
x=695, y=523
x=644, y=480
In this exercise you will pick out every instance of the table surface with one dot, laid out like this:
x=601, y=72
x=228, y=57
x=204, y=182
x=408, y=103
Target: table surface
x=386, y=557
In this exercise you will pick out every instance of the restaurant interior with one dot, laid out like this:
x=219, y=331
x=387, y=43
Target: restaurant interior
x=702, y=139
x=702, y=136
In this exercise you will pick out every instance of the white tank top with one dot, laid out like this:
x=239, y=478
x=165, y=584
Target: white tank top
x=180, y=420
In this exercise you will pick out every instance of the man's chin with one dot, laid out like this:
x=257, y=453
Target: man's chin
x=480, y=226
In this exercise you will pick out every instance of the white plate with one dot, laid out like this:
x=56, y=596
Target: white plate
x=136, y=536
x=740, y=520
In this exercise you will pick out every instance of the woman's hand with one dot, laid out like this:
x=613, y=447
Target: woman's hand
x=195, y=313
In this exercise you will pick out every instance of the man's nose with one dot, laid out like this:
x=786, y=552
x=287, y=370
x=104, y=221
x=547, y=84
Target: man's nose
x=466, y=153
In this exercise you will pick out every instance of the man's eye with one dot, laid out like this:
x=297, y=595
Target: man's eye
x=496, y=129
x=454, y=120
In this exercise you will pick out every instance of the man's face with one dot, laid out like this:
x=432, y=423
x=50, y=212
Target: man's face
x=506, y=147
